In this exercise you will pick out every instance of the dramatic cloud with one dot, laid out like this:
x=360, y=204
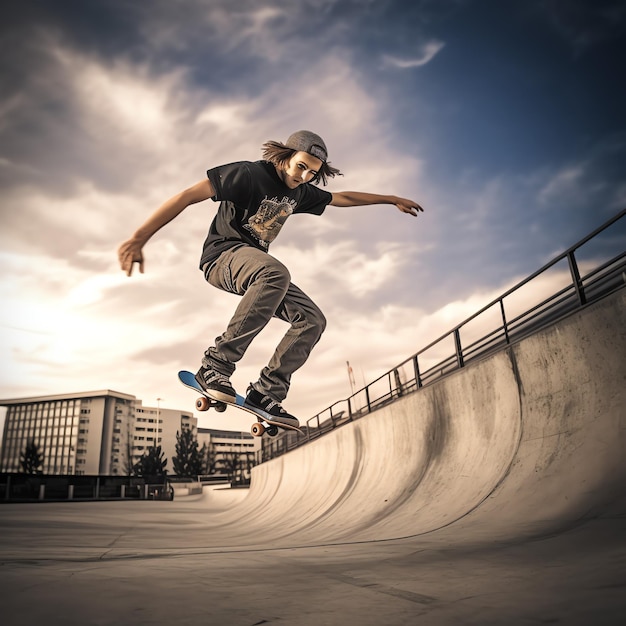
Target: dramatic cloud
x=108, y=110
x=426, y=55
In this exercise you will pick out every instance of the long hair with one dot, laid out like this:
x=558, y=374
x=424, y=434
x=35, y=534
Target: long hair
x=279, y=155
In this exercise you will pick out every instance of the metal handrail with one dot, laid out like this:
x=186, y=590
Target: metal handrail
x=598, y=282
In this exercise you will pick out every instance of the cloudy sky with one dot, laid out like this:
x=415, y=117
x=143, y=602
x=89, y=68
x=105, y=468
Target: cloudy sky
x=505, y=120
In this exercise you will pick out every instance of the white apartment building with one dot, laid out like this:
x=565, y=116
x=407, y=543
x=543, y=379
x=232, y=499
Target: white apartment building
x=97, y=432
x=225, y=443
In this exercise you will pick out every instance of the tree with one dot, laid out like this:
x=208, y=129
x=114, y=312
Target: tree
x=237, y=463
x=151, y=464
x=31, y=460
x=209, y=458
x=188, y=460
x=128, y=466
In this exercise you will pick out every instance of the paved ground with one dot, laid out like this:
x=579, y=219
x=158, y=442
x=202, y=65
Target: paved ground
x=574, y=577
x=496, y=496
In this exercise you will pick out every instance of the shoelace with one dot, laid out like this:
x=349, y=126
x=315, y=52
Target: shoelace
x=215, y=376
x=271, y=404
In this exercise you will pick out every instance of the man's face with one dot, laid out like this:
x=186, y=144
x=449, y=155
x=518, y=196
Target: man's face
x=301, y=168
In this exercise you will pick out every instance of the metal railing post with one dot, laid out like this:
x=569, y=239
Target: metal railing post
x=504, y=324
x=398, y=382
x=457, y=346
x=418, y=377
x=578, y=286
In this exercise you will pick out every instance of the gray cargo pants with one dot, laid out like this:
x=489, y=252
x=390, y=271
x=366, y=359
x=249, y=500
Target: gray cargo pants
x=266, y=291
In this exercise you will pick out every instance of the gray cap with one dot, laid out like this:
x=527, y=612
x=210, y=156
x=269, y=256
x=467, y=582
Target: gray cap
x=306, y=141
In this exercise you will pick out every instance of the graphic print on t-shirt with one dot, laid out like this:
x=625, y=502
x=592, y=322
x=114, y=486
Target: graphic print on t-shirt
x=266, y=223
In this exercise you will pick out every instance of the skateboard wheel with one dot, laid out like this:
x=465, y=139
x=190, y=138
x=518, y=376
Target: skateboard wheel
x=257, y=429
x=203, y=404
x=220, y=407
x=272, y=431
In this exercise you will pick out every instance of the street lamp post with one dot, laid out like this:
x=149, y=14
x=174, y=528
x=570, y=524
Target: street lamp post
x=156, y=432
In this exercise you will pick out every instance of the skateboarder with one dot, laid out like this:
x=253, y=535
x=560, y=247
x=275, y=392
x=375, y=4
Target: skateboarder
x=256, y=198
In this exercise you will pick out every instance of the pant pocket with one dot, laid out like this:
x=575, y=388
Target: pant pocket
x=219, y=273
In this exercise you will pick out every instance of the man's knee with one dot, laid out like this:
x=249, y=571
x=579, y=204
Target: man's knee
x=275, y=272
x=319, y=320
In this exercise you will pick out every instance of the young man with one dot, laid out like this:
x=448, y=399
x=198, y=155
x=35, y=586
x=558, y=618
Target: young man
x=255, y=200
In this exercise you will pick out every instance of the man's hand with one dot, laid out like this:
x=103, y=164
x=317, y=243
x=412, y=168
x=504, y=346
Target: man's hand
x=130, y=253
x=408, y=206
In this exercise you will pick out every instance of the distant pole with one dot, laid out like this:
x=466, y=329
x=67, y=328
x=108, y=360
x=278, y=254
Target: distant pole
x=156, y=432
x=351, y=377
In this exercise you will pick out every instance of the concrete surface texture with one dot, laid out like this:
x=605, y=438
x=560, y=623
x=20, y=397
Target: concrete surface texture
x=495, y=496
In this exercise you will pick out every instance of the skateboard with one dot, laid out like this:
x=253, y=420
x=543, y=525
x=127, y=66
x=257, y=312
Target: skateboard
x=264, y=424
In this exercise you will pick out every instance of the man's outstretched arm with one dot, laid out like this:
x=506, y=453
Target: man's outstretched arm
x=359, y=198
x=130, y=252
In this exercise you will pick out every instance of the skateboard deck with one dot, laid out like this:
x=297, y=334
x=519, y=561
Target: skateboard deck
x=265, y=422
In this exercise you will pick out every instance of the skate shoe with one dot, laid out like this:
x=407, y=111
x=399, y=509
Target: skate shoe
x=216, y=384
x=257, y=400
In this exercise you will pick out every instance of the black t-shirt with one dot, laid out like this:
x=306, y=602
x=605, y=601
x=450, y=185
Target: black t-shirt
x=254, y=205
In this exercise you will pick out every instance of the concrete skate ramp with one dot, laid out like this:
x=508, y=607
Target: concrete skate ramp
x=495, y=496
x=522, y=443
